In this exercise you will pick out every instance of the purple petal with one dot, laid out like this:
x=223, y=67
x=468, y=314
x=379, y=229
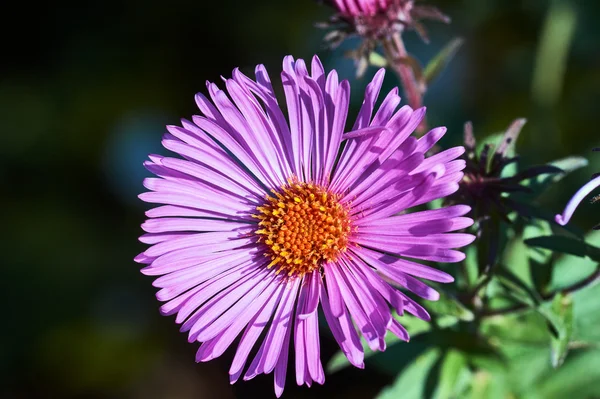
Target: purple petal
x=579, y=196
x=389, y=264
x=344, y=332
x=251, y=334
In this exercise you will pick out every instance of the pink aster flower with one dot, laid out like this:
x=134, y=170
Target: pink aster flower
x=579, y=196
x=266, y=218
x=378, y=19
x=355, y=8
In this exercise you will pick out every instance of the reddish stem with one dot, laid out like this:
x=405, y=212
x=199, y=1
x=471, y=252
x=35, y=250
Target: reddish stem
x=396, y=54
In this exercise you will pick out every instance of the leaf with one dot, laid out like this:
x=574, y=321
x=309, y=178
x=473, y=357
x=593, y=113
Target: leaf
x=377, y=60
x=562, y=309
x=411, y=383
x=490, y=145
x=514, y=255
x=517, y=289
x=569, y=269
x=525, y=329
x=586, y=315
x=568, y=165
x=535, y=171
x=537, y=228
x=413, y=325
x=435, y=67
x=553, y=52
x=577, y=378
x=489, y=386
x=566, y=245
x=488, y=244
x=448, y=305
x=471, y=267
x=453, y=376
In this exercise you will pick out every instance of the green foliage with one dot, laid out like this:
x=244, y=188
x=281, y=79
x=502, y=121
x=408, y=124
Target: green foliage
x=560, y=315
x=521, y=321
x=565, y=245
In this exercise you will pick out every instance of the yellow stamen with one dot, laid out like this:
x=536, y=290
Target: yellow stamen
x=303, y=226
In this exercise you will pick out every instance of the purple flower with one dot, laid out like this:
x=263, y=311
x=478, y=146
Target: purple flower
x=356, y=8
x=579, y=196
x=378, y=19
x=266, y=217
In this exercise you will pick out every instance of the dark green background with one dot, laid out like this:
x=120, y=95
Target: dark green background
x=85, y=91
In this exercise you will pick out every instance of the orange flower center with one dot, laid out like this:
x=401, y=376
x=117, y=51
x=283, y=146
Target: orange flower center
x=303, y=225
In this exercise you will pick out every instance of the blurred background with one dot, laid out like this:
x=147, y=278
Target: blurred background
x=85, y=91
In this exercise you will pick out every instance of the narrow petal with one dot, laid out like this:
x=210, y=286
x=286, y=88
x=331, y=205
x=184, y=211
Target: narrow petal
x=574, y=202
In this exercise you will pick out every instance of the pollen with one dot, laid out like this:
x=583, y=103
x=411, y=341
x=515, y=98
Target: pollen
x=303, y=226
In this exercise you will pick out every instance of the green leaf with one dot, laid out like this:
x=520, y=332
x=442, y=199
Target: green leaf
x=562, y=309
x=553, y=52
x=435, y=67
x=377, y=60
x=569, y=269
x=471, y=267
x=454, y=375
x=538, y=228
x=568, y=165
x=489, y=244
x=413, y=325
x=411, y=383
x=489, y=386
x=495, y=141
x=577, y=378
x=586, y=315
x=567, y=245
x=447, y=305
x=517, y=289
x=525, y=329
x=516, y=258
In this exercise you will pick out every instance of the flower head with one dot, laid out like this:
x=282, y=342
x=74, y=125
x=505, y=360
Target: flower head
x=378, y=19
x=579, y=196
x=486, y=187
x=265, y=218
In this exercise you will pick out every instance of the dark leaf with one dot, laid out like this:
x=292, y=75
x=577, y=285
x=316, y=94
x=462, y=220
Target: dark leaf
x=517, y=289
x=483, y=156
x=536, y=171
x=567, y=245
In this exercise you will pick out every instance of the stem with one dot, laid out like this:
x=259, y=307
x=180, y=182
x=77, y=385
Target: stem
x=488, y=242
x=587, y=282
x=396, y=55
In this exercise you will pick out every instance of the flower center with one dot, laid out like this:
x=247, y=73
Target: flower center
x=303, y=225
